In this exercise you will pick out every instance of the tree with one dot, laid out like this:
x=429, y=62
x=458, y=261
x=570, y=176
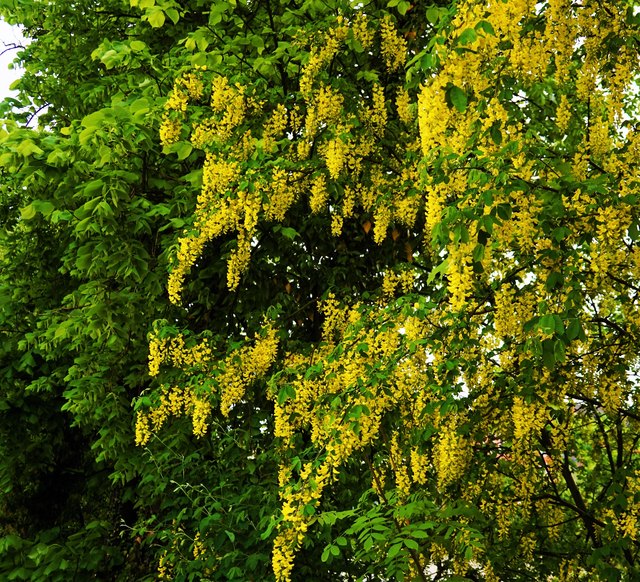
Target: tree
x=405, y=313
x=89, y=207
x=464, y=341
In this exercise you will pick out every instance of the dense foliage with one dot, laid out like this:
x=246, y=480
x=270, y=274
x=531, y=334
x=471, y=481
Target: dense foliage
x=358, y=279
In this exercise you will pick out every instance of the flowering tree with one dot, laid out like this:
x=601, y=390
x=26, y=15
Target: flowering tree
x=429, y=223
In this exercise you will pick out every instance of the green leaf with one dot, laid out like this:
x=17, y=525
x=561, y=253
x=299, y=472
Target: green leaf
x=433, y=14
x=183, y=149
x=458, y=98
x=137, y=45
x=547, y=324
x=495, y=133
x=548, y=354
x=28, y=212
x=95, y=119
x=27, y=148
x=258, y=43
x=504, y=211
x=478, y=253
x=403, y=7
x=156, y=17
x=486, y=27
x=573, y=329
x=173, y=14
x=553, y=280
x=411, y=544
x=286, y=392
x=289, y=232
x=467, y=36
x=44, y=207
x=394, y=550
x=440, y=269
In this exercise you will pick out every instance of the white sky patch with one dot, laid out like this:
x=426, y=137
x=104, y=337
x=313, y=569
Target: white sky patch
x=9, y=36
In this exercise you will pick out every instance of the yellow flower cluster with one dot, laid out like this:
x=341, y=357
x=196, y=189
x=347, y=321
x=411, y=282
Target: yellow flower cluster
x=198, y=546
x=393, y=281
x=319, y=194
x=282, y=192
x=419, y=466
x=460, y=275
x=245, y=366
x=560, y=37
x=341, y=419
x=274, y=128
x=611, y=391
x=403, y=105
x=451, y=454
x=334, y=155
x=563, y=114
x=382, y=219
x=335, y=318
x=377, y=115
x=170, y=130
x=361, y=31
x=320, y=57
x=143, y=429
x=324, y=108
x=344, y=134
x=174, y=402
x=394, y=47
x=164, y=567
x=229, y=104
x=187, y=87
x=238, y=371
x=528, y=421
x=240, y=214
x=200, y=413
x=400, y=470
x=175, y=350
x=295, y=522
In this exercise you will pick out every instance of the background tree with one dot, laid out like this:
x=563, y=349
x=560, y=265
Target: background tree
x=89, y=206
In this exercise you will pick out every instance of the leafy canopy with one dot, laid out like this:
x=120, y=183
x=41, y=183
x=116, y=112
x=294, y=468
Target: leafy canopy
x=403, y=324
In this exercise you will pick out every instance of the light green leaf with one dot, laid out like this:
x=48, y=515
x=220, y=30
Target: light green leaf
x=156, y=17
x=183, y=149
x=443, y=267
x=28, y=212
x=28, y=148
x=43, y=206
x=433, y=14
